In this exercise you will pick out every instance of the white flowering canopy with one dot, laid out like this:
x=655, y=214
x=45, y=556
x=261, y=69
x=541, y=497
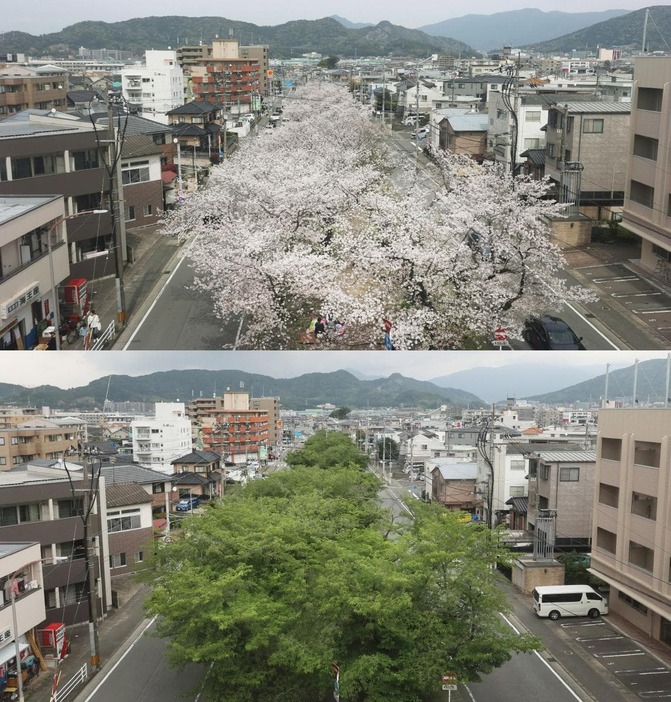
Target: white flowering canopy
x=319, y=216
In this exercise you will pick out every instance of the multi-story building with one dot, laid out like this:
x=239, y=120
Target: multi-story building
x=22, y=88
x=647, y=205
x=583, y=154
x=160, y=439
x=228, y=426
x=631, y=542
x=40, y=503
x=272, y=406
x=561, y=483
x=39, y=438
x=44, y=152
x=156, y=87
x=33, y=261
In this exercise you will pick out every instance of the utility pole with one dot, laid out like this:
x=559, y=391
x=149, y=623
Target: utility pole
x=116, y=214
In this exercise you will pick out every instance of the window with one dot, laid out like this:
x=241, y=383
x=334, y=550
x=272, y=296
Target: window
x=544, y=471
x=606, y=540
x=138, y=557
x=533, y=143
x=635, y=604
x=641, y=556
x=83, y=160
x=74, y=594
x=569, y=474
x=517, y=465
x=611, y=449
x=70, y=508
x=517, y=490
x=89, y=201
x=644, y=505
x=608, y=495
x=8, y=516
x=550, y=150
x=148, y=210
x=645, y=147
x=647, y=453
x=117, y=560
x=130, y=213
x=3, y=461
x=29, y=513
x=2, y=440
x=641, y=193
x=135, y=172
x=534, y=116
x=124, y=520
x=649, y=99
x=592, y=126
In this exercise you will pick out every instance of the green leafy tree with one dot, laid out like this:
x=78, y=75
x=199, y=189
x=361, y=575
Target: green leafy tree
x=330, y=62
x=340, y=413
x=328, y=450
x=388, y=449
x=293, y=573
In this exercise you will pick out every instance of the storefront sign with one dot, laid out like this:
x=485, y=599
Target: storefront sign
x=22, y=298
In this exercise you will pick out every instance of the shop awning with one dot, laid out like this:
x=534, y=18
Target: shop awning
x=9, y=651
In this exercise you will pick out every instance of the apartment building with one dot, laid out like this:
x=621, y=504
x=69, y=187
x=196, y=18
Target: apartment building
x=647, y=204
x=155, y=87
x=39, y=438
x=272, y=406
x=33, y=262
x=159, y=439
x=631, y=542
x=38, y=503
x=41, y=88
x=44, y=152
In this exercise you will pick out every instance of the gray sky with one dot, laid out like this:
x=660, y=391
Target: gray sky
x=52, y=17
x=75, y=368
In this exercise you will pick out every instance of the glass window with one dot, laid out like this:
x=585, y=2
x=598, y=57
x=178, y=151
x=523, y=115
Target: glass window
x=641, y=193
x=8, y=516
x=83, y=160
x=649, y=99
x=570, y=474
x=592, y=126
x=70, y=508
x=645, y=147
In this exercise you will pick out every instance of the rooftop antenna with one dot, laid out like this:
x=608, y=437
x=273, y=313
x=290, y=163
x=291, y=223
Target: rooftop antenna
x=645, y=31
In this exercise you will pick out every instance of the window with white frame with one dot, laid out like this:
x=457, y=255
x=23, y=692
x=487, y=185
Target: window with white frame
x=135, y=172
x=124, y=520
x=569, y=474
x=117, y=560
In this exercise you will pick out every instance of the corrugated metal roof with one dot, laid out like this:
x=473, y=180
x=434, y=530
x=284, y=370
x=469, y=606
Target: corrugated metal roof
x=458, y=471
x=132, y=473
x=567, y=456
x=477, y=122
x=591, y=106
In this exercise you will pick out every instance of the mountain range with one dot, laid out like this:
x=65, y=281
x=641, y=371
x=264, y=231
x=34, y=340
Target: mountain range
x=516, y=27
x=343, y=388
x=529, y=29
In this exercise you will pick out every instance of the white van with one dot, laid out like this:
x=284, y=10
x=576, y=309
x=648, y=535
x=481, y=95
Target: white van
x=555, y=601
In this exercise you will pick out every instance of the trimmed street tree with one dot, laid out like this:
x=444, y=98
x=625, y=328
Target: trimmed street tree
x=295, y=573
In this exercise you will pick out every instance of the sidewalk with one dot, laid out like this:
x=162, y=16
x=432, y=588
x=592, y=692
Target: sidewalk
x=152, y=252
x=117, y=627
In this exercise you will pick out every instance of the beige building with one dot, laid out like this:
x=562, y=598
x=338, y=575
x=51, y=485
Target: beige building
x=39, y=438
x=584, y=154
x=631, y=539
x=562, y=482
x=647, y=205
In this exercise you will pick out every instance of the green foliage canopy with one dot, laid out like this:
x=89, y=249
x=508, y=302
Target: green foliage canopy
x=293, y=573
x=327, y=450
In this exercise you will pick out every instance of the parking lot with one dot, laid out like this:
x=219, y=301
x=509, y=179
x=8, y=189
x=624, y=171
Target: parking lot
x=629, y=662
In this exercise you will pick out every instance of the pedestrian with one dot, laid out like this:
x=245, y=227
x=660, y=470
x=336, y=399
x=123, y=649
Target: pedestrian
x=93, y=323
x=320, y=327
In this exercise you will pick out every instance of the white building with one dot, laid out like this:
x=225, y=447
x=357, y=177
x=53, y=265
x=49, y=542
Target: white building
x=161, y=439
x=157, y=86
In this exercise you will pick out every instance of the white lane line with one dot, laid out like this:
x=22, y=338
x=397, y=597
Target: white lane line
x=114, y=667
x=615, y=279
x=151, y=307
x=624, y=654
x=648, y=293
x=545, y=663
x=660, y=310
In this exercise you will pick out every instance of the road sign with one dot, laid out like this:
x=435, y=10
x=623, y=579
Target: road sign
x=449, y=688
x=450, y=678
x=501, y=334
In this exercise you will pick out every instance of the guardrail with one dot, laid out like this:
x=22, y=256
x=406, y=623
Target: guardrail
x=71, y=685
x=107, y=335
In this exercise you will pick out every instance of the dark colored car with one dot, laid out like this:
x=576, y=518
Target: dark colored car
x=551, y=334
x=186, y=504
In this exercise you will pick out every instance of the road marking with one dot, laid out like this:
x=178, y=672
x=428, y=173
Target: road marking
x=114, y=667
x=540, y=658
x=615, y=279
x=623, y=654
x=661, y=310
x=649, y=293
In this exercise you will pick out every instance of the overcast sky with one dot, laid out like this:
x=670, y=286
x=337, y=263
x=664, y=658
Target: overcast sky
x=75, y=368
x=52, y=17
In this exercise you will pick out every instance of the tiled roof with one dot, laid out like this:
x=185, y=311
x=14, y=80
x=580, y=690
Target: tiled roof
x=198, y=457
x=139, y=145
x=125, y=495
x=537, y=158
x=133, y=473
x=519, y=504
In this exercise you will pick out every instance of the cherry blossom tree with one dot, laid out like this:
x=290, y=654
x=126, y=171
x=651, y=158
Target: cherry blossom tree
x=306, y=219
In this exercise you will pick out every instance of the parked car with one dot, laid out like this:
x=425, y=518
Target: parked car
x=410, y=120
x=551, y=334
x=421, y=132
x=186, y=504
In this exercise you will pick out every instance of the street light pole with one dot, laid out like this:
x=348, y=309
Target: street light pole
x=180, y=183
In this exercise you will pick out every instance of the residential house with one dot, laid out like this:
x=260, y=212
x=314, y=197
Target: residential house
x=33, y=260
x=156, y=484
x=128, y=511
x=464, y=134
x=561, y=483
x=631, y=549
x=453, y=485
x=647, y=205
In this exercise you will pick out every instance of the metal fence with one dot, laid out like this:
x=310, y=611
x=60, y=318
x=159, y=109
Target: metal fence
x=107, y=335
x=71, y=685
